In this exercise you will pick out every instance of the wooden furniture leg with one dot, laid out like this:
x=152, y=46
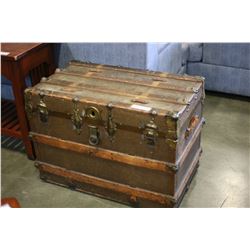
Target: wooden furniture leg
x=18, y=91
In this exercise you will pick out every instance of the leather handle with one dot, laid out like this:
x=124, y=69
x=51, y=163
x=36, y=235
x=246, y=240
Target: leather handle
x=192, y=125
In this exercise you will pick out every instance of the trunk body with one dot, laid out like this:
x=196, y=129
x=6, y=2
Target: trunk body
x=128, y=135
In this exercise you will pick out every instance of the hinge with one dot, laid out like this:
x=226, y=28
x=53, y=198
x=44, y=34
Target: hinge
x=42, y=108
x=76, y=117
x=150, y=132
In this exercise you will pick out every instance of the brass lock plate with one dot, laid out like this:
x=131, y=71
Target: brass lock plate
x=93, y=113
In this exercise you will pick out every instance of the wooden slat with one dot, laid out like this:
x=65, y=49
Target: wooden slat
x=5, y=104
x=101, y=153
x=16, y=127
x=12, y=124
x=128, y=82
x=145, y=83
x=11, y=132
x=105, y=184
x=7, y=108
x=11, y=117
x=115, y=92
x=64, y=94
x=9, y=121
x=138, y=71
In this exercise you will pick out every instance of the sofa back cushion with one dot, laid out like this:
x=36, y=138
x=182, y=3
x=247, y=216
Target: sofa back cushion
x=235, y=55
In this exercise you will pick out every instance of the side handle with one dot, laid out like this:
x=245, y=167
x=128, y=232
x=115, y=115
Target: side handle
x=192, y=125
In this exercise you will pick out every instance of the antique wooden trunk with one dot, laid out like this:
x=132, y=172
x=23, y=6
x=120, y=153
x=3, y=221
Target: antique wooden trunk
x=129, y=135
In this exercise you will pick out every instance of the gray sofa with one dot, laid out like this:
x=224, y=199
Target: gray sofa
x=169, y=57
x=225, y=66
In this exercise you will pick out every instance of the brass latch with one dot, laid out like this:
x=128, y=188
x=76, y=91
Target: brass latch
x=94, y=117
x=76, y=117
x=94, y=135
x=42, y=108
x=111, y=125
x=150, y=130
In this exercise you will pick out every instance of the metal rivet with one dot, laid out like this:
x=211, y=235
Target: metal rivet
x=75, y=100
x=41, y=94
x=175, y=115
x=110, y=105
x=154, y=112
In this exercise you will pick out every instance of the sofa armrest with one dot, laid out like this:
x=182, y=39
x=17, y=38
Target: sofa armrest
x=195, y=52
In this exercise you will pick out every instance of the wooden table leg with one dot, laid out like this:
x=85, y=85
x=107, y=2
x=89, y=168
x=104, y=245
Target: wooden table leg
x=51, y=62
x=18, y=85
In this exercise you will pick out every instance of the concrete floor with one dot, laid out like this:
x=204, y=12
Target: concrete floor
x=222, y=179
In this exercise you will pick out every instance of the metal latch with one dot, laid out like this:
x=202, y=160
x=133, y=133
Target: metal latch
x=111, y=125
x=76, y=117
x=94, y=135
x=42, y=108
x=94, y=117
x=150, y=130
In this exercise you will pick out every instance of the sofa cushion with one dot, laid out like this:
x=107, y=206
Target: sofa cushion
x=7, y=92
x=6, y=87
x=185, y=53
x=152, y=56
x=227, y=54
x=161, y=46
x=4, y=80
x=223, y=79
x=123, y=54
x=170, y=59
x=195, y=52
x=182, y=70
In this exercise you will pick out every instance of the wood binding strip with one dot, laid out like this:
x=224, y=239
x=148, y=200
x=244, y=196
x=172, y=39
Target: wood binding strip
x=129, y=82
x=187, y=176
x=194, y=136
x=113, y=92
x=116, y=156
x=137, y=71
x=114, y=186
x=101, y=153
